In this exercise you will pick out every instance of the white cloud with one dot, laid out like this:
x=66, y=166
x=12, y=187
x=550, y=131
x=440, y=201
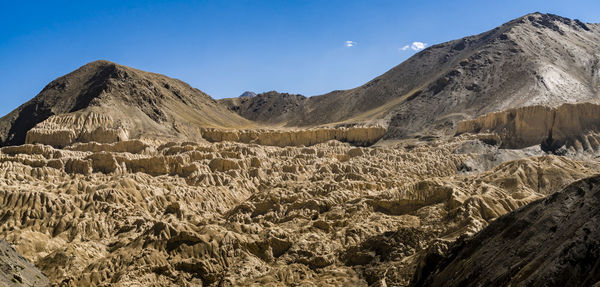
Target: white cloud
x=405, y=48
x=350, y=44
x=418, y=46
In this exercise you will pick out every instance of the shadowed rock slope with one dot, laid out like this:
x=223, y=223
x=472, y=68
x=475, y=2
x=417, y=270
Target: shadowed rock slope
x=538, y=59
x=15, y=270
x=107, y=102
x=551, y=242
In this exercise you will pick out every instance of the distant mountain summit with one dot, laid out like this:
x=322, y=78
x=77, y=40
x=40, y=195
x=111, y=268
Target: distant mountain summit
x=537, y=59
x=105, y=102
x=269, y=107
x=247, y=94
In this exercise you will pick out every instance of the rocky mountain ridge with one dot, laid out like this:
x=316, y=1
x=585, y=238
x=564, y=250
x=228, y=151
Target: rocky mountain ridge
x=537, y=59
x=105, y=102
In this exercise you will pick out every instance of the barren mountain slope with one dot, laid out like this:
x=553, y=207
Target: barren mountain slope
x=15, y=270
x=538, y=59
x=270, y=107
x=552, y=242
x=102, y=101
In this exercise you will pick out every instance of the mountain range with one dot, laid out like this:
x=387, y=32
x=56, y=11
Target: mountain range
x=537, y=59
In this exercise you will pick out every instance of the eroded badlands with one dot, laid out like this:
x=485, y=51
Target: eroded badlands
x=228, y=214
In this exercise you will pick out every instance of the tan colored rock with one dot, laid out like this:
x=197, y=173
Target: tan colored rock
x=573, y=125
x=355, y=152
x=363, y=136
x=222, y=164
x=74, y=165
x=131, y=146
x=104, y=162
x=135, y=212
x=57, y=138
x=154, y=165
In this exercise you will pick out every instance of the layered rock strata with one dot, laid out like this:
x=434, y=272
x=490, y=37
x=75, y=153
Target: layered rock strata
x=572, y=126
x=360, y=136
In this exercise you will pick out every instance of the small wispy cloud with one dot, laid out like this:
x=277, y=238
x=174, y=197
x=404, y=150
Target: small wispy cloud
x=349, y=43
x=418, y=46
x=415, y=46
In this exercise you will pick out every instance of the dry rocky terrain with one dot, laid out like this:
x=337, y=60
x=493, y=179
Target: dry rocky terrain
x=551, y=242
x=16, y=270
x=244, y=214
x=113, y=176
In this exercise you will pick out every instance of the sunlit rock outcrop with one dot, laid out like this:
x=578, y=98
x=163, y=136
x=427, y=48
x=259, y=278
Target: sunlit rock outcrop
x=574, y=126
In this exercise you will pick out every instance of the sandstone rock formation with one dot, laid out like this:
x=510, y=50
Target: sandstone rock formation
x=361, y=136
x=573, y=127
x=537, y=59
x=235, y=214
x=551, y=242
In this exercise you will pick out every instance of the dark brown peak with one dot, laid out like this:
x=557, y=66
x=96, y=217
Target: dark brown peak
x=247, y=94
x=100, y=63
x=278, y=94
x=97, y=65
x=551, y=21
x=497, y=33
x=71, y=92
x=90, y=73
x=106, y=67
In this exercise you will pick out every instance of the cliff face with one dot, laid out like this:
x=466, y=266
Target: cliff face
x=126, y=102
x=551, y=242
x=574, y=126
x=361, y=136
x=538, y=59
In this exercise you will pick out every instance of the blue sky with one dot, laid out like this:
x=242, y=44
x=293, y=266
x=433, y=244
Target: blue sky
x=227, y=47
